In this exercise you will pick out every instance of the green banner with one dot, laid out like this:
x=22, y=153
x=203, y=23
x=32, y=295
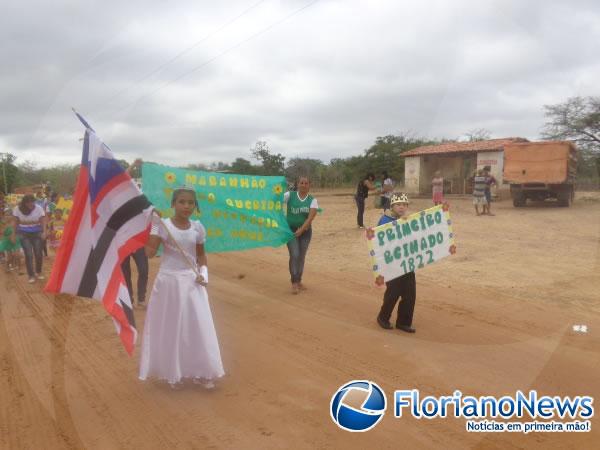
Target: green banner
x=239, y=212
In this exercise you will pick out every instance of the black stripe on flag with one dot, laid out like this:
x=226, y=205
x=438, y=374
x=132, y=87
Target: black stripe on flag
x=128, y=312
x=126, y=212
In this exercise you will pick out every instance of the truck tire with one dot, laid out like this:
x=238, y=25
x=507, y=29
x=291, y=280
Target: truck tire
x=565, y=197
x=519, y=200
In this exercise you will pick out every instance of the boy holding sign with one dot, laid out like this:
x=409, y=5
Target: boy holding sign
x=404, y=286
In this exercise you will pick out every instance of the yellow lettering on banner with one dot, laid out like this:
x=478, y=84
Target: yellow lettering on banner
x=233, y=182
x=261, y=221
x=244, y=183
x=271, y=205
x=190, y=178
x=243, y=218
x=259, y=236
x=277, y=206
x=274, y=224
x=211, y=197
x=239, y=204
x=254, y=184
x=212, y=181
x=248, y=204
x=262, y=183
x=252, y=235
x=229, y=202
x=202, y=181
x=223, y=182
x=256, y=204
x=217, y=214
x=233, y=216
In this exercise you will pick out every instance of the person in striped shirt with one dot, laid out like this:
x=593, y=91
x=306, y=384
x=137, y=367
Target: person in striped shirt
x=479, y=186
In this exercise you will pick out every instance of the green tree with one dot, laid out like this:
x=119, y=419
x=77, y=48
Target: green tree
x=272, y=164
x=308, y=167
x=8, y=172
x=577, y=119
x=243, y=167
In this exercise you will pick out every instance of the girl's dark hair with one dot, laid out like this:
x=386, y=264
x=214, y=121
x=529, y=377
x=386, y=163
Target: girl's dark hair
x=179, y=191
x=26, y=199
x=370, y=176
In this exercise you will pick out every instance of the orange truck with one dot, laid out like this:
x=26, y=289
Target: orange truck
x=541, y=170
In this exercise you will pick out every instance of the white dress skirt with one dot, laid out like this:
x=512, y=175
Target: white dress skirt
x=179, y=338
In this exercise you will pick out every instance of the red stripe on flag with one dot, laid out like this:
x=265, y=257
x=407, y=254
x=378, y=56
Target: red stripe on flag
x=70, y=231
x=114, y=182
x=112, y=288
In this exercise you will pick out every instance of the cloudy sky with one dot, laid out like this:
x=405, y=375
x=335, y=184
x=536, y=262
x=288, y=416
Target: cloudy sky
x=202, y=81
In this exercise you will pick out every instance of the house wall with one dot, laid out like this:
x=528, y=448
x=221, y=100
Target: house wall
x=412, y=171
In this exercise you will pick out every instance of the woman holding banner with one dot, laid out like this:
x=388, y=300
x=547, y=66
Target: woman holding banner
x=301, y=211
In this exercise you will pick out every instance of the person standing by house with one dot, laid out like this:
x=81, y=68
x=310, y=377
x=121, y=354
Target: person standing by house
x=387, y=188
x=489, y=181
x=437, y=188
x=479, y=185
x=362, y=192
x=301, y=211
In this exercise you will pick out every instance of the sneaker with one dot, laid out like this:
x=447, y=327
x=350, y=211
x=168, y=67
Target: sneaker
x=384, y=324
x=40, y=276
x=406, y=328
x=31, y=280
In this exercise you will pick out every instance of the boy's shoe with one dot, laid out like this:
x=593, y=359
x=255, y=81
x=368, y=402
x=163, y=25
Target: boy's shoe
x=406, y=328
x=383, y=324
x=31, y=280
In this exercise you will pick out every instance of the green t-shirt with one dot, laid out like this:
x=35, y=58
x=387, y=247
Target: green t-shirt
x=298, y=210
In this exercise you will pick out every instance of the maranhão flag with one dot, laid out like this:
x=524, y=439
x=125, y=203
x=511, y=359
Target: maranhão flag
x=110, y=219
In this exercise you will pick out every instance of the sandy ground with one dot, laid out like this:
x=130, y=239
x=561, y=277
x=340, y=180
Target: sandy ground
x=494, y=318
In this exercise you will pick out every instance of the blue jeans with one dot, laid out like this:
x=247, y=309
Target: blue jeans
x=297, y=248
x=32, y=247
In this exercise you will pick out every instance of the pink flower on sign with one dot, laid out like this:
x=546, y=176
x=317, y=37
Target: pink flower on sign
x=446, y=206
x=379, y=281
x=452, y=249
x=370, y=233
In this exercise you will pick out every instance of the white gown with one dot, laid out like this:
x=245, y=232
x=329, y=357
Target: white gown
x=179, y=339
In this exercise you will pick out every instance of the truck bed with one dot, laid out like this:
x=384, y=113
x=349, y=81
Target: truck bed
x=540, y=162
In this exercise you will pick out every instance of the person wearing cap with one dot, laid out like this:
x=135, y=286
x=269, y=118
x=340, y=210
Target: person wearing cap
x=404, y=286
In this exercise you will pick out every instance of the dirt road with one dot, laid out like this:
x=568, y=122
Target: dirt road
x=495, y=318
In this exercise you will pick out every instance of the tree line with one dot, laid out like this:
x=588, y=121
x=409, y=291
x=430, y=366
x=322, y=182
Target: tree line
x=577, y=119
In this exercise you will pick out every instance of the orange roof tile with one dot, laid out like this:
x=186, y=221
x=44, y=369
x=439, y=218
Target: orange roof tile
x=464, y=147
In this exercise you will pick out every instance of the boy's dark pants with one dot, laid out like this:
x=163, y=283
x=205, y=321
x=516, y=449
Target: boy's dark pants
x=405, y=287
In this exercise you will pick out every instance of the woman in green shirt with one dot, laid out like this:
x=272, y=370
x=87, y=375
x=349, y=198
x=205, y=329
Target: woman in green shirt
x=301, y=210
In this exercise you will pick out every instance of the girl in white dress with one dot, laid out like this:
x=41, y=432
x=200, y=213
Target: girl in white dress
x=179, y=339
